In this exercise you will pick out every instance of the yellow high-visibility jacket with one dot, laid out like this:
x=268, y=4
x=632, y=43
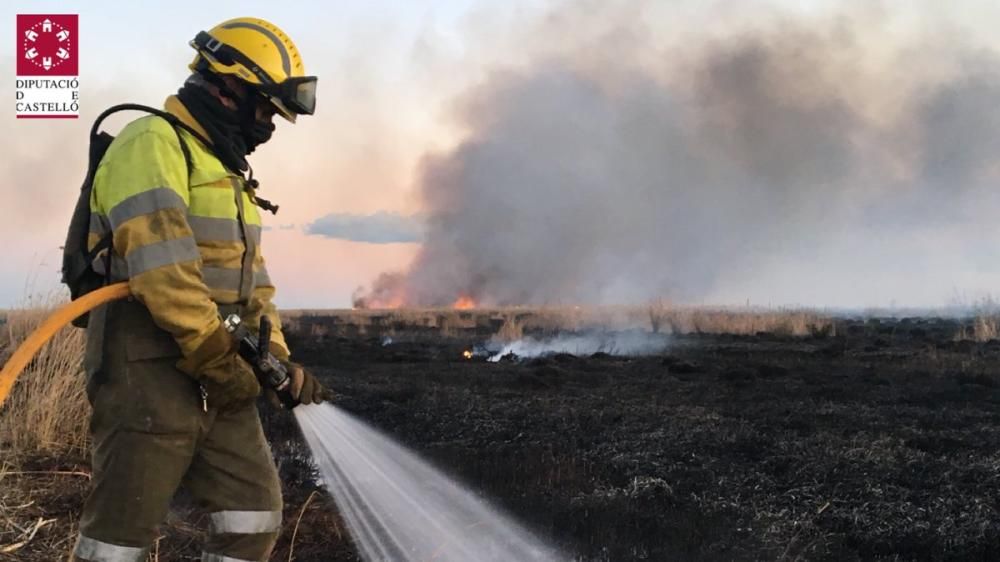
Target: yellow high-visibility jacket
x=185, y=244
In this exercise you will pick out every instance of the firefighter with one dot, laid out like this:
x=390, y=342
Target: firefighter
x=173, y=404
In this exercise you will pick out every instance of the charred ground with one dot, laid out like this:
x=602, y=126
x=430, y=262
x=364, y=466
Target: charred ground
x=877, y=439
x=878, y=442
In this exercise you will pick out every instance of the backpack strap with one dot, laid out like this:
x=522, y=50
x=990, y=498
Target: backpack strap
x=174, y=121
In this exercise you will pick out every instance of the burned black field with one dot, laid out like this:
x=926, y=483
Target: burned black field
x=864, y=440
x=879, y=442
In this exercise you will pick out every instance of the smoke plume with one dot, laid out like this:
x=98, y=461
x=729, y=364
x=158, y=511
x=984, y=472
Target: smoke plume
x=634, y=174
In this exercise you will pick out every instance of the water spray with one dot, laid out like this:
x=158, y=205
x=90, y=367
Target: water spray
x=398, y=507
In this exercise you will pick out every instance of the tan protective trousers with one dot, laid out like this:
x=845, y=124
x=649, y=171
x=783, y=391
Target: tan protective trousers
x=152, y=435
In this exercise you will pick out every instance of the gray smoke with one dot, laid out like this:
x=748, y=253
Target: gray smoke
x=590, y=179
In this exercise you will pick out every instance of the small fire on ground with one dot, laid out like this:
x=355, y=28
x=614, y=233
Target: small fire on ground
x=583, y=344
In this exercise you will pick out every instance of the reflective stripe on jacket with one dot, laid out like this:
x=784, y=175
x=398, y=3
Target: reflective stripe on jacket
x=185, y=244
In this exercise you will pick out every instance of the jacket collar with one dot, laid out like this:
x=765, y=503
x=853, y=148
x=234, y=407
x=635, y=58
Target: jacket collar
x=174, y=106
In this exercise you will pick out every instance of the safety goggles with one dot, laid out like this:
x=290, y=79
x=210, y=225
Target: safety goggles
x=293, y=96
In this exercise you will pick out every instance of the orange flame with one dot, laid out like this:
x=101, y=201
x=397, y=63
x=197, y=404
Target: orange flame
x=464, y=303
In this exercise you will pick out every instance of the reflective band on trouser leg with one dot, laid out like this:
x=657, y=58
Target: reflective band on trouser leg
x=96, y=551
x=245, y=522
x=209, y=557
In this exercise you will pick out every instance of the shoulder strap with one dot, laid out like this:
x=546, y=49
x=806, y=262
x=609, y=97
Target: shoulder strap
x=176, y=123
x=168, y=117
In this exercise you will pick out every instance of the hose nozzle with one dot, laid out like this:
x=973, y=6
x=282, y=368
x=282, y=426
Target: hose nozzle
x=255, y=351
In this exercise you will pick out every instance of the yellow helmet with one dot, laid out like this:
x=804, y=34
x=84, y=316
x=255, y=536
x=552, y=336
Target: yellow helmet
x=259, y=54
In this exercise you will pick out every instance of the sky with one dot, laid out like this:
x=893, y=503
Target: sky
x=395, y=79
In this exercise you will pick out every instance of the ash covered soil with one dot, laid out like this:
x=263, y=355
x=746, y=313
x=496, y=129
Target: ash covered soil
x=882, y=442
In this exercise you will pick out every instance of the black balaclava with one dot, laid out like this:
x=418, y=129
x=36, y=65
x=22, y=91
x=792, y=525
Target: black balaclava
x=234, y=133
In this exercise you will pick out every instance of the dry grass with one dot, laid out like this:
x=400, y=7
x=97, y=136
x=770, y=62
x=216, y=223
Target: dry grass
x=34, y=523
x=43, y=425
x=788, y=323
x=658, y=311
x=985, y=313
x=511, y=323
x=510, y=331
x=47, y=410
x=984, y=328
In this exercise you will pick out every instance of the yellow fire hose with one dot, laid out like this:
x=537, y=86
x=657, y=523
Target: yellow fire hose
x=64, y=315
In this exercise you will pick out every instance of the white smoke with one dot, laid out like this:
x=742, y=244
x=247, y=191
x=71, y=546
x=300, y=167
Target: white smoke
x=632, y=343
